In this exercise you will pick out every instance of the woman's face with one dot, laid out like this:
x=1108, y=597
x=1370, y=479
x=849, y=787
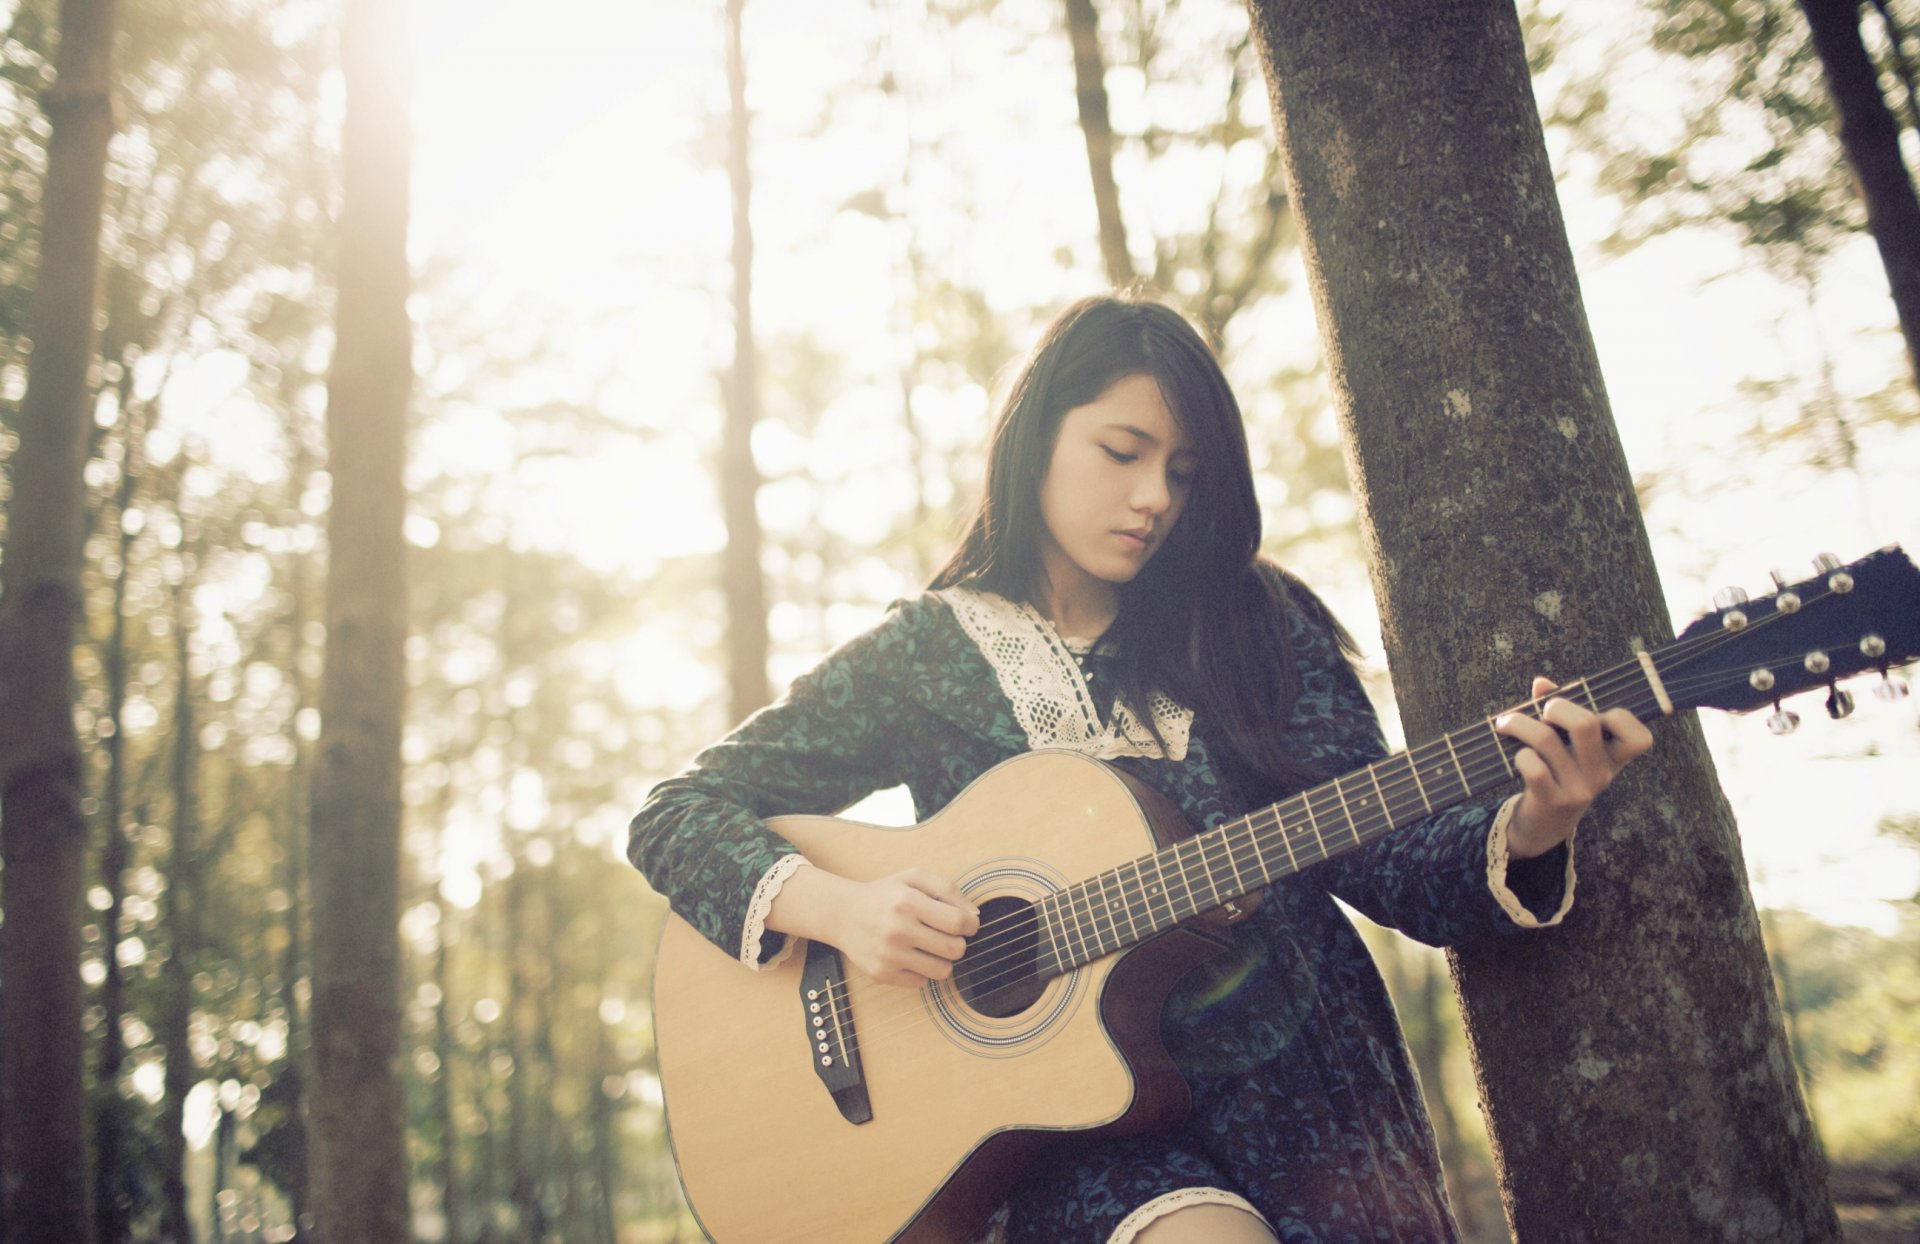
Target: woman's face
x=1119, y=477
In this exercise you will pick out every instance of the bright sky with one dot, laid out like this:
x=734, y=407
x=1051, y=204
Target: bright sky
x=571, y=163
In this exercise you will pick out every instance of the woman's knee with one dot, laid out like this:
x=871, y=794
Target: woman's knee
x=1206, y=1224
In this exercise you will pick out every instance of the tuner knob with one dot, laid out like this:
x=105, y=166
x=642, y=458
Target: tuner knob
x=1826, y=563
x=1761, y=679
x=1728, y=597
x=1839, y=703
x=1891, y=687
x=1817, y=662
x=1783, y=721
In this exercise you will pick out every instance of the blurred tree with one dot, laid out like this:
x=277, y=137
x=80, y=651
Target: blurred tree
x=1090, y=89
x=360, y=1176
x=45, y=1171
x=1489, y=476
x=1870, y=134
x=744, y=580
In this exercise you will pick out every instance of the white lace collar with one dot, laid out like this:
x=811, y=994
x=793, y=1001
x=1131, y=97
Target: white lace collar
x=1042, y=680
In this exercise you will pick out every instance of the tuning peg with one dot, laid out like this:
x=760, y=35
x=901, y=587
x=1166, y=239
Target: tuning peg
x=1783, y=721
x=1838, y=580
x=1839, y=703
x=1728, y=597
x=1817, y=662
x=1784, y=601
x=1891, y=687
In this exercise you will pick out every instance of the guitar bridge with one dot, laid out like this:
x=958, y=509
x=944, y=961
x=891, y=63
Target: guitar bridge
x=834, y=1046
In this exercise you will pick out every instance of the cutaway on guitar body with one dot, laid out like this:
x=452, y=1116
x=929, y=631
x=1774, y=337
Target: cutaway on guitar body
x=967, y=1080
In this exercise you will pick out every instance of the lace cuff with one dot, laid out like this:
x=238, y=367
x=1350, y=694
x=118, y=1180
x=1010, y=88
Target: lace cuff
x=1136, y=1222
x=1497, y=874
x=763, y=896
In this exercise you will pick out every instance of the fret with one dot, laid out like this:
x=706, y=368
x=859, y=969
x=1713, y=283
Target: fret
x=1499, y=750
x=1252, y=841
x=1104, y=935
x=1413, y=767
x=1240, y=885
x=1206, y=868
x=1313, y=823
x=1053, y=939
x=1178, y=854
x=1588, y=692
x=1076, y=927
x=1157, y=888
x=1465, y=786
x=1339, y=789
x=1286, y=838
x=1126, y=906
x=1373, y=771
x=1438, y=775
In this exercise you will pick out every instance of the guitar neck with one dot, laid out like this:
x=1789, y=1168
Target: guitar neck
x=1155, y=892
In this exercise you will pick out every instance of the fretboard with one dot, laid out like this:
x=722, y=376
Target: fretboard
x=1155, y=892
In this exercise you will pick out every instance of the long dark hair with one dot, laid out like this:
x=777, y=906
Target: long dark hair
x=1204, y=621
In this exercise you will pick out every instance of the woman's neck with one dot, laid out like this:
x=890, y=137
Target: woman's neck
x=1079, y=605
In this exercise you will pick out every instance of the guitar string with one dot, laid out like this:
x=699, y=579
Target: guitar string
x=1370, y=824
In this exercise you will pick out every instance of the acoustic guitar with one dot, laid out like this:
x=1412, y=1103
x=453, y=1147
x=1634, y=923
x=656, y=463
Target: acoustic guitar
x=809, y=1103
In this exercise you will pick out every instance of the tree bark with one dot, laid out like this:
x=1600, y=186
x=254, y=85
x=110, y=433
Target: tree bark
x=183, y=893
x=1871, y=137
x=1633, y=1065
x=113, y=1187
x=1090, y=89
x=360, y=1172
x=743, y=579
x=45, y=1180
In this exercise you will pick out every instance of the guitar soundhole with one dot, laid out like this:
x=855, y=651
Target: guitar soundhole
x=999, y=974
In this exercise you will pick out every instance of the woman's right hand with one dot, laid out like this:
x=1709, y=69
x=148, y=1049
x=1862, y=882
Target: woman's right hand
x=906, y=929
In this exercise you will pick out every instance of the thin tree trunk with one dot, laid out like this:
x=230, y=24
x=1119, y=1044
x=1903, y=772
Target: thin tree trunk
x=1090, y=89
x=182, y=906
x=744, y=581
x=45, y=1180
x=295, y=1179
x=519, y=1125
x=1635, y=1073
x=113, y=1184
x=360, y=1171
x=444, y=1051
x=1871, y=138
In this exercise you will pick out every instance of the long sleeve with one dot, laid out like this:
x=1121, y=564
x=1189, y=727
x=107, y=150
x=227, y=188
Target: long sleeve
x=1442, y=879
x=701, y=838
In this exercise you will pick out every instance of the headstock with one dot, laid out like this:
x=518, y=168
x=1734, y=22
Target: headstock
x=1844, y=620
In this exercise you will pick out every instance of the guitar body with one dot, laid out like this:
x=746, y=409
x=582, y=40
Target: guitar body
x=809, y=1103
x=960, y=1099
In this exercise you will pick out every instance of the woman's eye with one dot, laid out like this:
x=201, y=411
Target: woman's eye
x=1119, y=456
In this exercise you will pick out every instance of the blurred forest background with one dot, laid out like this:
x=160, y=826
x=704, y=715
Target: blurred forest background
x=929, y=180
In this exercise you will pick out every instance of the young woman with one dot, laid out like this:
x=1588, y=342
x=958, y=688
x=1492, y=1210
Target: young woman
x=1109, y=598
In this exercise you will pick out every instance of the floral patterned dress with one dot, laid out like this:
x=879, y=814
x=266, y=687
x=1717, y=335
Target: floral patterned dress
x=1305, y=1105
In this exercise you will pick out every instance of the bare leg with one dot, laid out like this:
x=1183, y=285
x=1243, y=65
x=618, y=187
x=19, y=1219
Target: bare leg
x=1206, y=1224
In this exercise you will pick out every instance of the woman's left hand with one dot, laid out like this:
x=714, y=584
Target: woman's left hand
x=1563, y=776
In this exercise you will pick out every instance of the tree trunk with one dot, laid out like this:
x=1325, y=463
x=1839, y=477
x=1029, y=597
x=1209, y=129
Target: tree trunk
x=445, y=1051
x=745, y=583
x=1635, y=1074
x=45, y=1184
x=182, y=908
x=1871, y=137
x=114, y=1184
x=1090, y=89
x=360, y=1169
